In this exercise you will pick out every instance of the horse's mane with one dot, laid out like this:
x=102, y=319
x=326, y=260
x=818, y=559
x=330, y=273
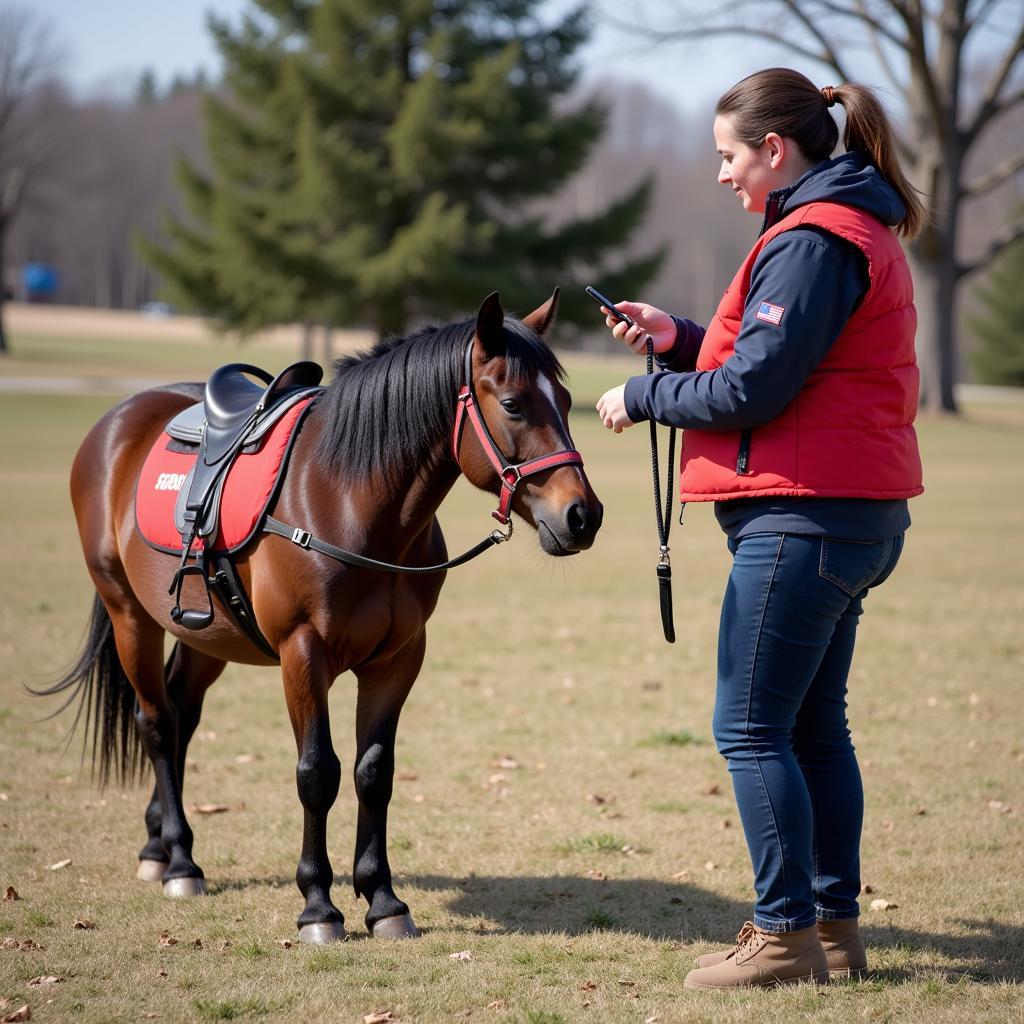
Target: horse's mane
x=387, y=407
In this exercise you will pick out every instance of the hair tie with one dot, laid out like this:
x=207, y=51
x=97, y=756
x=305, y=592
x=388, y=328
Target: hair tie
x=828, y=92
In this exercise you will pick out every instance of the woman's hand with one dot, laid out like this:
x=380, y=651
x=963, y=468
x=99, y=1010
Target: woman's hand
x=649, y=321
x=611, y=407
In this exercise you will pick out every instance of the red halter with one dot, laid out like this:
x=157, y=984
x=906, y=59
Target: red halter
x=510, y=475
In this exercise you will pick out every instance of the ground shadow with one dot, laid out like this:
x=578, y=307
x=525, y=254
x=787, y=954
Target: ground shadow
x=990, y=951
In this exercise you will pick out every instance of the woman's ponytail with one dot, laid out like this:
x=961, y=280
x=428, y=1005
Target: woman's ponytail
x=868, y=129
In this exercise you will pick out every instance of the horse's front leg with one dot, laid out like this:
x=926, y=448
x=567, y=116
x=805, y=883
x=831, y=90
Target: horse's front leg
x=307, y=679
x=382, y=692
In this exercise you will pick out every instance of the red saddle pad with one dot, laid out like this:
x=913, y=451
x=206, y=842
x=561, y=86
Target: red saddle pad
x=251, y=483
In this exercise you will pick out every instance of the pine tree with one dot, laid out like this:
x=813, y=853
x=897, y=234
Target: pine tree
x=998, y=355
x=376, y=162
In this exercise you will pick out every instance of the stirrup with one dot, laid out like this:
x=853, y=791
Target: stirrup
x=192, y=618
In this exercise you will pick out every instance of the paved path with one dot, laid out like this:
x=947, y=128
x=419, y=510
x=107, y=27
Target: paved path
x=77, y=385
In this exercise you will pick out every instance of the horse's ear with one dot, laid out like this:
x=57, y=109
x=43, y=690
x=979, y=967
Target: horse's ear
x=490, y=326
x=543, y=316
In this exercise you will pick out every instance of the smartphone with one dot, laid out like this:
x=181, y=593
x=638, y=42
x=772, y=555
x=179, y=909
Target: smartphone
x=607, y=303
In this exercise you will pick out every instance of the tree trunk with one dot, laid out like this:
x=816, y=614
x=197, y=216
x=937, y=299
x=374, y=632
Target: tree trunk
x=3, y=337
x=328, y=346
x=307, y=340
x=936, y=306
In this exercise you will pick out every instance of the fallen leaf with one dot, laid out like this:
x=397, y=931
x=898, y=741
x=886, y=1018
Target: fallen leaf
x=207, y=808
x=406, y=776
x=712, y=790
x=651, y=685
x=652, y=1020
x=44, y=979
x=418, y=798
x=25, y=945
x=243, y=759
x=464, y=955
x=867, y=890
x=507, y=762
x=725, y=823
x=496, y=779
x=61, y=864
x=622, y=981
x=225, y=944
x=197, y=943
x=883, y=905
x=83, y=924
x=496, y=1004
x=21, y=1013
x=11, y=894
x=588, y=986
x=285, y=943
x=379, y=1017
x=710, y=865
x=162, y=973
x=999, y=807
x=167, y=939
x=680, y=876
x=597, y=876
x=597, y=799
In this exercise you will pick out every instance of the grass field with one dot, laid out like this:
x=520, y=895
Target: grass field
x=585, y=879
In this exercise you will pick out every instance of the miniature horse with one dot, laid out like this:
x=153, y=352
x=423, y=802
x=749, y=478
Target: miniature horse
x=372, y=463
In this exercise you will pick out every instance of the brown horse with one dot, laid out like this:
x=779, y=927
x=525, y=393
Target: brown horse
x=372, y=463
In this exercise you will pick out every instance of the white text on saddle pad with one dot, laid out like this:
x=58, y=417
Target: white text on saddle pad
x=169, y=482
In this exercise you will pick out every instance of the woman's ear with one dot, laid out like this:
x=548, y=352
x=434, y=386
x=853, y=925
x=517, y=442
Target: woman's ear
x=776, y=149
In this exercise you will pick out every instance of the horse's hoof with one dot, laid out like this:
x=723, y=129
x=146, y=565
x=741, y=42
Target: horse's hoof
x=183, y=888
x=322, y=934
x=151, y=870
x=400, y=926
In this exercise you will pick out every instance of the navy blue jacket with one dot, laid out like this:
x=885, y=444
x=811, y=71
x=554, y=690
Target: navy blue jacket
x=819, y=279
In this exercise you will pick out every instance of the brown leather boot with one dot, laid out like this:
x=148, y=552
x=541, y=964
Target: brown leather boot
x=765, y=959
x=844, y=948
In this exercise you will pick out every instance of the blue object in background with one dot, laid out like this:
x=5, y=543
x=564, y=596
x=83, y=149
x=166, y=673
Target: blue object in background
x=41, y=280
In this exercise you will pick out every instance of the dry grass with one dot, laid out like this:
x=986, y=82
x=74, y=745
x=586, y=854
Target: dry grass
x=559, y=666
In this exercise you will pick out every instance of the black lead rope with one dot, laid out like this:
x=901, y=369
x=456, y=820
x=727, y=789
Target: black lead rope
x=664, y=568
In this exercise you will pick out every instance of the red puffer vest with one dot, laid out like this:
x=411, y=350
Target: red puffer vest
x=849, y=432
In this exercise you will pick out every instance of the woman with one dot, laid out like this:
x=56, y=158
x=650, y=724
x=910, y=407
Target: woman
x=798, y=403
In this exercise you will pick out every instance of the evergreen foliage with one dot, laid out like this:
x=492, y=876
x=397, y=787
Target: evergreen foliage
x=998, y=355
x=375, y=162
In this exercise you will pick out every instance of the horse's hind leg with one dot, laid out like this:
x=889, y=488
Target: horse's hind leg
x=307, y=680
x=139, y=643
x=188, y=674
x=381, y=694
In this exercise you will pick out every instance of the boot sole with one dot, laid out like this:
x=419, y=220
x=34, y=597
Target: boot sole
x=805, y=979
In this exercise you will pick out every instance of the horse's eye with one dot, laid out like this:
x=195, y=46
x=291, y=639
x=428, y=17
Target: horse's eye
x=511, y=406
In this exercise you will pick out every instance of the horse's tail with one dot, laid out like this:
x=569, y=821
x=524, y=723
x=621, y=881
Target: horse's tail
x=99, y=684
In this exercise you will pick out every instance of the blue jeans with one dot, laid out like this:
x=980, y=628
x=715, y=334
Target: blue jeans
x=789, y=622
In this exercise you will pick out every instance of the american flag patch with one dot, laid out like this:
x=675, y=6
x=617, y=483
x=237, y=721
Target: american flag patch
x=770, y=313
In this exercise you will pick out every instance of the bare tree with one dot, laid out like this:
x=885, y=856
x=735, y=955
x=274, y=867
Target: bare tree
x=28, y=93
x=956, y=61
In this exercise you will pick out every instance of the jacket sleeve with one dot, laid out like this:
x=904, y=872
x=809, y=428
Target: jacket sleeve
x=682, y=356
x=816, y=279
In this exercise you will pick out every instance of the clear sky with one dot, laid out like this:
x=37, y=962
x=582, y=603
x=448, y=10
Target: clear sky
x=109, y=42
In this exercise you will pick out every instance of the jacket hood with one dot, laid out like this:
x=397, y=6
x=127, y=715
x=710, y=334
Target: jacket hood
x=850, y=179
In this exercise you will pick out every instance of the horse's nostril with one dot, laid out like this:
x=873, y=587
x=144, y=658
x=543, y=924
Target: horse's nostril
x=576, y=518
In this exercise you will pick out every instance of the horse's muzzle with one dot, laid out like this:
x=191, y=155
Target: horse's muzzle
x=573, y=531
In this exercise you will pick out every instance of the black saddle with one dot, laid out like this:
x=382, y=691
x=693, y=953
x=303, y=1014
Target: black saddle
x=234, y=413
